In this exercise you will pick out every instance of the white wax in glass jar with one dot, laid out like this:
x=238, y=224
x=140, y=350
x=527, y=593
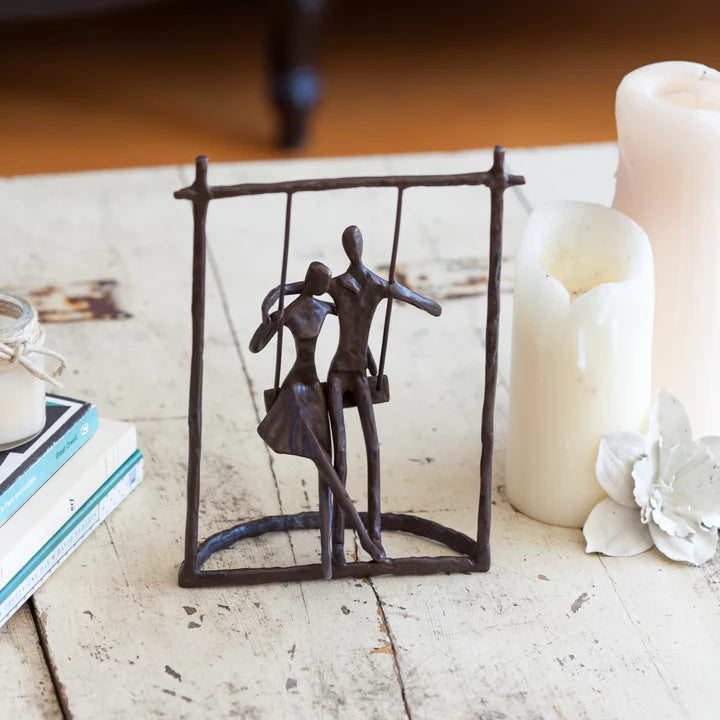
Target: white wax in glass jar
x=581, y=350
x=668, y=180
x=22, y=395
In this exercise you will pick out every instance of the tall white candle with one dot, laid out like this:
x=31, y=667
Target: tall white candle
x=668, y=119
x=581, y=348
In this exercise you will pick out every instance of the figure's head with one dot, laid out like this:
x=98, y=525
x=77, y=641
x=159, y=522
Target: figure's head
x=317, y=279
x=352, y=241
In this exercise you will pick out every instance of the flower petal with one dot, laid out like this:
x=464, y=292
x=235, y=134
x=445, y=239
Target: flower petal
x=676, y=513
x=669, y=421
x=617, y=454
x=676, y=522
x=642, y=474
x=695, y=549
x=678, y=459
x=696, y=485
x=712, y=444
x=616, y=530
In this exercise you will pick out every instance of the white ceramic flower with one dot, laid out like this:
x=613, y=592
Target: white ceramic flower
x=664, y=490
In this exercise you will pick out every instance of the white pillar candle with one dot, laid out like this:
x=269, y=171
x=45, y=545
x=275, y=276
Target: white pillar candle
x=22, y=395
x=668, y=119
x=581, y=349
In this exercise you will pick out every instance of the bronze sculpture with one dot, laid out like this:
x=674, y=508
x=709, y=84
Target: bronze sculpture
x=297, y=419
x=472, y=554
x=356, y=294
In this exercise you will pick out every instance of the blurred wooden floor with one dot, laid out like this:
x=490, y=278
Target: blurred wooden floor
x=161, y=83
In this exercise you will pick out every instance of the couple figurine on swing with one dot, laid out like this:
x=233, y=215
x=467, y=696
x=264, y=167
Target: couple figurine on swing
x=305, y=416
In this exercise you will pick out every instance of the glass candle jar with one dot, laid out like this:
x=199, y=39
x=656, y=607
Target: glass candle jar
x=22, y=393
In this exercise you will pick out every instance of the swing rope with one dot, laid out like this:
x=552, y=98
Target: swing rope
x=391, y=279
x=283, y=282
x=281, y=300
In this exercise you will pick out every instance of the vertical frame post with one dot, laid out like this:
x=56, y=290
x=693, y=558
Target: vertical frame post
x=498, y=184
x=200, y=201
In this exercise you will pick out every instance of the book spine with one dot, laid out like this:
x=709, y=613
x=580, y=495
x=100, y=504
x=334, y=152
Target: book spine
x=22, y=489
x=67, y=539
x=19, y=544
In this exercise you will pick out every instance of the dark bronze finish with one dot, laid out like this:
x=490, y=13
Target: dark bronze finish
x=356, y=294
x=297, y=421
x=380, y=393
x=305, y=416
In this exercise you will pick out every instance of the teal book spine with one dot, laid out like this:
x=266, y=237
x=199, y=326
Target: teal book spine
x=44, y=563
x=45, y=466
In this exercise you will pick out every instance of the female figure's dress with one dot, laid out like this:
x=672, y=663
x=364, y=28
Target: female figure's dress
x=297, y=422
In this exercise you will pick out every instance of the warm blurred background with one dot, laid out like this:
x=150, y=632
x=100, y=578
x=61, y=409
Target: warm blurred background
x=159, y=82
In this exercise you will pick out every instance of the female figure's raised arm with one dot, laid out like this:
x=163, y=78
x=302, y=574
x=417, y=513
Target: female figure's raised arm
x=274, y=295
x=265, y=332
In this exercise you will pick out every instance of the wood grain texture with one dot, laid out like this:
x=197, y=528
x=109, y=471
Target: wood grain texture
x=549, y=632
x=26, y=686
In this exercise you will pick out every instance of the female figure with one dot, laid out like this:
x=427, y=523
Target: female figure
x=297, y=422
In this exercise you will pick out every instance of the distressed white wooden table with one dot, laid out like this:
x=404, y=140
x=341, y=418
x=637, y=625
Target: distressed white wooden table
x=549, y=632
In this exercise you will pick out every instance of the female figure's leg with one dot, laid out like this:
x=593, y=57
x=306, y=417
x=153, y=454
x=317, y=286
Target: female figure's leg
x=329, y=477
x=325, y=495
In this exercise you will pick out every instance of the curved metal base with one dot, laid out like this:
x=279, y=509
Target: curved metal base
x=398, y=522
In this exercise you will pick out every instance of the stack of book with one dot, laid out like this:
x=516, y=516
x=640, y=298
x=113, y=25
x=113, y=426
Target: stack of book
x=56, y=489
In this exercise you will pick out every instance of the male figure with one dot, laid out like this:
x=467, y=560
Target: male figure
x=356, y=293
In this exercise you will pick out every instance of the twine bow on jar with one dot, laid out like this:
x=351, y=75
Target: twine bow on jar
x=24, y=336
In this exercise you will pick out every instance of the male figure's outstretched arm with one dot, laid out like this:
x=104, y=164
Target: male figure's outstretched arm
x=400, y=292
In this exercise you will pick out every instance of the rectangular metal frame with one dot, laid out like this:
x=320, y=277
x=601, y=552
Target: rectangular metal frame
x=475, y=554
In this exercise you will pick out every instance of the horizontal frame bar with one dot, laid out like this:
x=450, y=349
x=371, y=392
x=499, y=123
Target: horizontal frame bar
x=206, y=192
x=358, y=570
x=398, y=522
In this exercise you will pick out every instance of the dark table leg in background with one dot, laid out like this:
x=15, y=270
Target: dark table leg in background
x=296, y=26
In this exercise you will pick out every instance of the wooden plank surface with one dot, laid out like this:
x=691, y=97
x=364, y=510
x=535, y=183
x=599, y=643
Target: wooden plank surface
x=26, y=686
x=549, y=632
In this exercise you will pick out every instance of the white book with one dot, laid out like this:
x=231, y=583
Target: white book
x=54, y=553
x=63, y=494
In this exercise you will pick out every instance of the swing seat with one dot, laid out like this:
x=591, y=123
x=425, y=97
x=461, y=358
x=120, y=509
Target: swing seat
x=379, y=394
